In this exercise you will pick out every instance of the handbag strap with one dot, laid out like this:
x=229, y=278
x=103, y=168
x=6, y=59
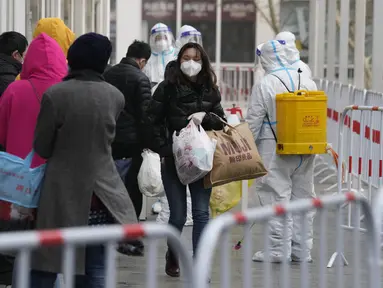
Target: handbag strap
x=223, y=121
x=227, y=124
x=35, y=91
x=29, y=158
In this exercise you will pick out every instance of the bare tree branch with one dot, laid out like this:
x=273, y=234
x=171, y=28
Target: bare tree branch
x=272, y=20
x=275, y=24
x=263, y=14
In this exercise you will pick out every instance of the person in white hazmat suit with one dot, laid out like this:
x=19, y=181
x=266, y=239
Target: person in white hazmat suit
x=292, y=52
x=259, y=72
x=290, y=177
x=163, y=51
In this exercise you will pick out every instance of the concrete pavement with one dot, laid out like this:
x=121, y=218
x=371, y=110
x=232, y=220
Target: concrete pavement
x=132, y=271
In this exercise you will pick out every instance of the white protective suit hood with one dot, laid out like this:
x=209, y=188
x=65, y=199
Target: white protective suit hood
x=273, y=58
x=163, y=51
x=188, y=34
x=258, y=52
x=292, y=52
x=259, y=72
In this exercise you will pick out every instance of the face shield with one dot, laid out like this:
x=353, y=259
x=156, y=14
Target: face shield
x=190, y=37
x=161, y=39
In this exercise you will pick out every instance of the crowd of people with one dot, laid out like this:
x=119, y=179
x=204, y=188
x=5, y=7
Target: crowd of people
x=85, y=120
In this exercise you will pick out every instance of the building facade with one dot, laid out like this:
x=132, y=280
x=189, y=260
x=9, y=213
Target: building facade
x=126, y=20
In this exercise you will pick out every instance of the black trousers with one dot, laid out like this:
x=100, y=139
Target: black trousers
x=131, y=184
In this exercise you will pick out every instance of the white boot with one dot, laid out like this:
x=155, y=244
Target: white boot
x=189, y=216
x=157, y=207
x=274, y=257
x=164, y=213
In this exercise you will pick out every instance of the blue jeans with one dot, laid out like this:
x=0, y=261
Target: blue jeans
x=176, y=194
x=94, y=272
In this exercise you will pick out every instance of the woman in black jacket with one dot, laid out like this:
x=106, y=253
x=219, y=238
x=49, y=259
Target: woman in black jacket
x=190, y=88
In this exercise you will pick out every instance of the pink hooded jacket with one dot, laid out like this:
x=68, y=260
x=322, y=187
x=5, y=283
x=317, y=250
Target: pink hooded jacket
x=44, y=65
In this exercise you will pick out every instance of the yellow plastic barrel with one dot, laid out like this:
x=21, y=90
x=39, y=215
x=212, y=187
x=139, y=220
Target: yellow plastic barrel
x=301, y=122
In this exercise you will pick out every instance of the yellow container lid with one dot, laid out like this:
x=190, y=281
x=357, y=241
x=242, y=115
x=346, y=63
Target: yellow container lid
x=302, y=95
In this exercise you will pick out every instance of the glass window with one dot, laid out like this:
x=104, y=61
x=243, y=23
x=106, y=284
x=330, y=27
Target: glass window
x=207, y=29
x=289, y=22
x=238, y=17
x=233, y=32
x=238, y=43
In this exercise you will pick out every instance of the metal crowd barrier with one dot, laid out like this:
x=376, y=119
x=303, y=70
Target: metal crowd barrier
x=323, y=164
x=217, y=232
x=360, y=130
x=378, y=217
x=360, y=145
x=25, y=242
x=236, y=82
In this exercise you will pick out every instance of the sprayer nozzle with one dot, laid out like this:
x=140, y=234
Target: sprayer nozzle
x=238, y=246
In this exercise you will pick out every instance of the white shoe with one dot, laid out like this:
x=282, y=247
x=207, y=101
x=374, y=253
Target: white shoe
x=260, y=257
x=295, y=258
x=156, y=207
x=189, y=222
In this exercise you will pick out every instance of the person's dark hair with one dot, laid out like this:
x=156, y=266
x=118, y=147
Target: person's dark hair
x=139, y=50
x=169, y=70
x=12, y=41
x=206, y=77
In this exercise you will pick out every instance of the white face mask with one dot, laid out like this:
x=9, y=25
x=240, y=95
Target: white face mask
x=191, y=68
x=162, y=45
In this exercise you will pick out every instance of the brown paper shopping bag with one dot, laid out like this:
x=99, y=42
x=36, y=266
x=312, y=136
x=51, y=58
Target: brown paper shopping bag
x=236, y=156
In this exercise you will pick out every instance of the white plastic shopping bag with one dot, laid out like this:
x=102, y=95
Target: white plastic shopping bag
x=149, y=177
x=193, y=151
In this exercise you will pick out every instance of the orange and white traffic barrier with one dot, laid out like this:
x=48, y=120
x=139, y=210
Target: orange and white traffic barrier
x=217, y=234
x=25, y=242
x=359, y=144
